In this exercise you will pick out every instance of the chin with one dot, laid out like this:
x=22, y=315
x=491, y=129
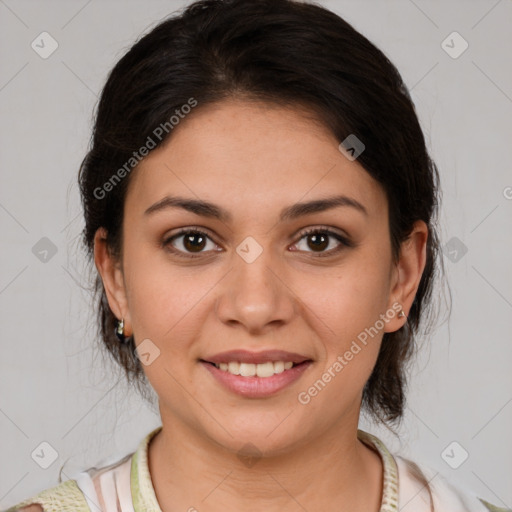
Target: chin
x=256, y=434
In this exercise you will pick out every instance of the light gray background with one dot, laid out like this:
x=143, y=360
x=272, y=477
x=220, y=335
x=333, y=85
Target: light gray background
x=56, y=388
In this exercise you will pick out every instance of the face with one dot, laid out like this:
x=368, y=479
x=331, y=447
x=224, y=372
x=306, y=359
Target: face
x=258, y=273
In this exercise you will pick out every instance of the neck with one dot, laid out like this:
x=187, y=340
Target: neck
x=333, y=472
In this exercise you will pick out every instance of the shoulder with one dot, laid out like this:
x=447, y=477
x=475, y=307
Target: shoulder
x=65, y=496
x=87, y=490
x=420, y=484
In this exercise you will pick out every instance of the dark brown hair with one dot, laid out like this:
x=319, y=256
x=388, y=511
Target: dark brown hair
x=287, y=53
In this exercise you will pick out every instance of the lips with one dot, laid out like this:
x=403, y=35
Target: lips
x=245, y=356
x=256, y=386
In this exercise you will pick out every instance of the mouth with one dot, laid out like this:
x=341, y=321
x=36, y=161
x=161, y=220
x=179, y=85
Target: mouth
x=263, y=370
x=256, y=374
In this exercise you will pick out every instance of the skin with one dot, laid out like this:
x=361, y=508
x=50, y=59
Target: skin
x=253, y=160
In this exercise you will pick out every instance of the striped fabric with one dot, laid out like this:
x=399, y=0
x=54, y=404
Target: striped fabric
x=126, y=486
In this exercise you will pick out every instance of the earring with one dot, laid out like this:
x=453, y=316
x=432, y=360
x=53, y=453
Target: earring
x=119, y=331
x=401, y=314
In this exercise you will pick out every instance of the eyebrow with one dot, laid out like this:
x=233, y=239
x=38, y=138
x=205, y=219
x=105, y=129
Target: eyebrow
x=207, y=209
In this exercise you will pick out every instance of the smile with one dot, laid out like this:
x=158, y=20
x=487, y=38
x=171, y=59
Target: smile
x=255, y=370
x=256, y=380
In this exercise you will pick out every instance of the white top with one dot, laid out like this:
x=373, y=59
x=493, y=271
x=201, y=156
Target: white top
x=126, y=486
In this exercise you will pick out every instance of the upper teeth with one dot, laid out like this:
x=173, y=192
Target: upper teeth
x=250, y=370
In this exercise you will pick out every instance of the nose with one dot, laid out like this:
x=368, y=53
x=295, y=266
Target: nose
x=255, y=295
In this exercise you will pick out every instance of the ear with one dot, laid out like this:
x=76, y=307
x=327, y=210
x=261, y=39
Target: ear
x=406, y=275
x=113, y=281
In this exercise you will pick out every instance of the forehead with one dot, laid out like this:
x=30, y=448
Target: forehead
x=251, y=155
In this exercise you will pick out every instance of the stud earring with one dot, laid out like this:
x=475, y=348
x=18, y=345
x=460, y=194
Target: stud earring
x=119, y=331
x=401, y=314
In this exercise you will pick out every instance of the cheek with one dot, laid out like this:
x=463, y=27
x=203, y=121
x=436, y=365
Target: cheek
x=162, y=298
x=345, y=311
x=347, y=300
x=349, y=341
x=165, y=307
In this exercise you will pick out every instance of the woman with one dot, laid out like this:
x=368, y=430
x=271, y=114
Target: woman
x=261, y=208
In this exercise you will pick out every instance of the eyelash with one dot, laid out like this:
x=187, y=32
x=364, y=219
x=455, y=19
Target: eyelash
x=344, y=242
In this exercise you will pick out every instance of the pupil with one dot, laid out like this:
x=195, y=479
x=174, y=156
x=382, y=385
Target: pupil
x=316, y=238
x=189, y=240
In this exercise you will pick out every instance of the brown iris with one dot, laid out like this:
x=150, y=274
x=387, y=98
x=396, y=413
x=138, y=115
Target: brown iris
x=319, y=241
x=191, y=243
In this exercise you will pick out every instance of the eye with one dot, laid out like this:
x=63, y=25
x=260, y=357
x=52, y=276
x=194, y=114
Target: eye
x=192, y=242
x=319, y=239
x=188, y=242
